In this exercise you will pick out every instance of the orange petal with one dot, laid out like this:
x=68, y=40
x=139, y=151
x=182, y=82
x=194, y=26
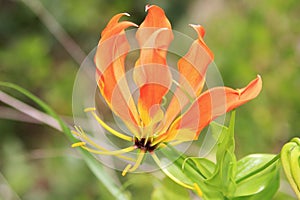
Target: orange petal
x=112, y=22
x=110, y=60
x=151, y=72
x=152, y=90
x=193, y=65
x=116, y=29
x=155, y=18
x=192, y=68
x=210, y=105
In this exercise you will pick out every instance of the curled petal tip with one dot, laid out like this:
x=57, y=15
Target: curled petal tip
x=260, y=79
x=252, y=90
x=147, y=7
x=126, y=14
x=200, y=30
x=194, y=25
x=134, y=25
x=258, y=76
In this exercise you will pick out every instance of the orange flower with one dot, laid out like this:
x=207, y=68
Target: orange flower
x=188, y=111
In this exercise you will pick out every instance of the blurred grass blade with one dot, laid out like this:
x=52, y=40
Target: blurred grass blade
x=92, y=163
x=6, y=192
x=56, y=29
x=27, y=110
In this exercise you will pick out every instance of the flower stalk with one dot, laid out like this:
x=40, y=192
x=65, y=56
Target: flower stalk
x=151, y=125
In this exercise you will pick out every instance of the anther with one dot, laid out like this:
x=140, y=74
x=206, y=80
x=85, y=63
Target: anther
x=78, y=144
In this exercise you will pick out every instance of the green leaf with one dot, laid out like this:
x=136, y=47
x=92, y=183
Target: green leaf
x=223, y=178
x=92, y=163
x=215, y=180
x=251, y=163
x=185, y=171
x=205, y=166
x=258, y=176
x=174, y=171
x=167, y=189
x=269, y=181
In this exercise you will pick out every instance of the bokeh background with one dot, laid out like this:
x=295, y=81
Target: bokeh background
x=247, y=38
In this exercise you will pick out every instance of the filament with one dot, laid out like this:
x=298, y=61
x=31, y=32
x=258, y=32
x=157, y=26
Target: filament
x=105, y=126
x=86, y=138
x=198, y=190
x=117, y=152
x=126, y=169
x=156, y=159
x=146, y=139
x=83, y=136
x=160, y=139
x=195, y=185
x=138, y=162
x=150, y=127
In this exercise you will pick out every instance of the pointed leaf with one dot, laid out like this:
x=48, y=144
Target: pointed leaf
x=261, y=186
x=205, y=166
x=254, y=182
x=252, y=162
x=223, y=178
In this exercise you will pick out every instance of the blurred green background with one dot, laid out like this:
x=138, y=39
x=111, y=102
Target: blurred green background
x=247, y=38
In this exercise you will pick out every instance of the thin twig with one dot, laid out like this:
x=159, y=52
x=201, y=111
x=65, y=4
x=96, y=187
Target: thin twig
x=12, y=114
x=28, y=110
x=56, y=29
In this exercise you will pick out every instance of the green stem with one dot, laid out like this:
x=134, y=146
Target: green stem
x=268, y=164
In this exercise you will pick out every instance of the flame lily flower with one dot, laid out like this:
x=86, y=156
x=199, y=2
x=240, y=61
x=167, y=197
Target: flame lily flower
x=189, y=109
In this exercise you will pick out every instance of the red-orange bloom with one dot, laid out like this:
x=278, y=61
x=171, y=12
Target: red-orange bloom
x=189, y=109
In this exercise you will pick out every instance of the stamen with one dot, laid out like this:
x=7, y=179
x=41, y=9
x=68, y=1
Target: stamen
x=138, y=162
x=160, y=139
x=126, y=169
x=78, y=144
x=146, y=139
x=156, y=159
x=108, y=128
x=198, y=190
x=159, y=115
x=117, y=152
x=83, y=136
x=75, y=133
